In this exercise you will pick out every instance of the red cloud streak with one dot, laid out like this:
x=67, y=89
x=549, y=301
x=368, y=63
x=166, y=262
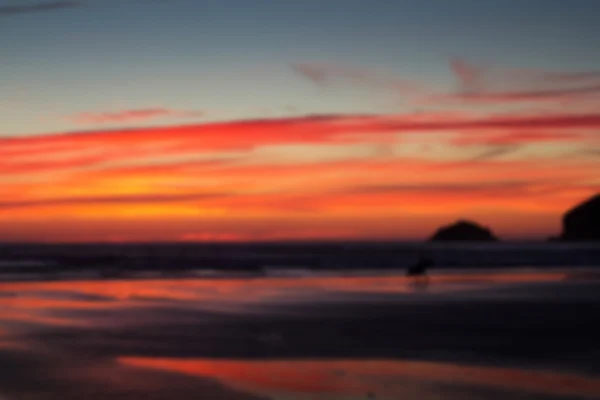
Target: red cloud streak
x=86, y=149
x=245, y=134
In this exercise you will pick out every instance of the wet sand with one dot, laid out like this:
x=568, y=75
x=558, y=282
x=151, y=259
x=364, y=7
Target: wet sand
x=525, y=335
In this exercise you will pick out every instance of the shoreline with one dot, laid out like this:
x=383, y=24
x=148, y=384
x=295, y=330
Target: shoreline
x=545, y=327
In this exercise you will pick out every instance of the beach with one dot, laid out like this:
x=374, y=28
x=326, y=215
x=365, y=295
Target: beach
x=518, y=333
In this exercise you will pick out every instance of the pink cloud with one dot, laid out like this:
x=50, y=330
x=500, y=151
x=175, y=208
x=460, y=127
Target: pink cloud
x=489, y=98
x=477, y=84
x=325, y=74
x=488, y=85
x=469, y=76
x=554, y=76
x=136, y=115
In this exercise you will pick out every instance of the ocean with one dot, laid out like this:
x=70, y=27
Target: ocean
x=20, y=261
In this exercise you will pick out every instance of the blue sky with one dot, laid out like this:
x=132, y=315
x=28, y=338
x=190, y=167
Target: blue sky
x=231, y=58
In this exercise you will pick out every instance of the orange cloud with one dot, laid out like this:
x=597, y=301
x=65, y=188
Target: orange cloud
x=356, y=176
x=519, y=137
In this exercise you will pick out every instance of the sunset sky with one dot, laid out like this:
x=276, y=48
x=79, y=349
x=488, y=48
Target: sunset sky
x=150, y=120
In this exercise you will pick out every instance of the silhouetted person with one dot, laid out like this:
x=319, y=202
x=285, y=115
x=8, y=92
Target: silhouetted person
x=420, y=268
x=418, y=273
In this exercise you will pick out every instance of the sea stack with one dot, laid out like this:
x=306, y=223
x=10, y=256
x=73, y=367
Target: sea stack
x=582, y=223
x=464, y=231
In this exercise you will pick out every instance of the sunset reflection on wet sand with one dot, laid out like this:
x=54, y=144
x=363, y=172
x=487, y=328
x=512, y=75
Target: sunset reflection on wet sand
x=328, y=337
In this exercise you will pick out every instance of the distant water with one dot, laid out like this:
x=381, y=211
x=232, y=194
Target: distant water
x=296, y=259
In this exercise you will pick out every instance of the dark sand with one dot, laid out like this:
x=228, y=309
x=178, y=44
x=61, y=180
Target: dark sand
x=99, y=340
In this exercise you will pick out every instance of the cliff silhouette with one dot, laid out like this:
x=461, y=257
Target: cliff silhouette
x=582, y=222
x=464, y=230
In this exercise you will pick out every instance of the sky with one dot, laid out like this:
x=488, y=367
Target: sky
x=256, y=120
